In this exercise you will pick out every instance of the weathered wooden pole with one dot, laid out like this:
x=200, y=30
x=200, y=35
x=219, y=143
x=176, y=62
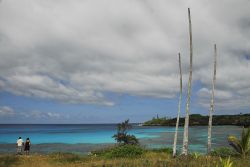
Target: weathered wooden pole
x=185, y=134
x=179, y=109
x=209, y=136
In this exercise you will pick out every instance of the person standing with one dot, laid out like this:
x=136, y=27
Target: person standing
x=27, y=146
x=19, y=145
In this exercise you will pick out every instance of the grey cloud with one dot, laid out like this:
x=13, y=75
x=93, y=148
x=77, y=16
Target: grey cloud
x=76, y=51
x=45, y=87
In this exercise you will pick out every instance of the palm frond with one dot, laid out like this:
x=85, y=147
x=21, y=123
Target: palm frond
x=235, y=143
x=246, y=140
x=242, y=145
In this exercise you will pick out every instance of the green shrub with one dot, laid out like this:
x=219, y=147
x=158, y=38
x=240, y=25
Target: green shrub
x=120, y=151
x=103, y=151
x=125, y=151
x=165, y=150
x=223, y=152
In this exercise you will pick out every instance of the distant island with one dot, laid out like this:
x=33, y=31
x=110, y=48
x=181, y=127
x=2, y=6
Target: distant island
x=200, y=120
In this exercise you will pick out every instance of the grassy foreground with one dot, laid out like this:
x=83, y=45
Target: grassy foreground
x=153, y=158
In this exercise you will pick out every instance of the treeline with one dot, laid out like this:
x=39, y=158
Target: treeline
x=200, y=120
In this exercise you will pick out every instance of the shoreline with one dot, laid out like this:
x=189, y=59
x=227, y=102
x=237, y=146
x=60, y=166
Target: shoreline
x=202, y=120
x=46, y=148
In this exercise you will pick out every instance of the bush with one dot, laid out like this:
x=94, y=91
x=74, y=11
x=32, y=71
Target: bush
x=121, y=151
x=103, y=151
x=223, y=152
x=165, y=150
x=126, y=151
x=122, y=137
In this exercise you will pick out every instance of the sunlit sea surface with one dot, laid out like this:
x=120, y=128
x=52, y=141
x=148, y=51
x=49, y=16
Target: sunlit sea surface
x=86, y=137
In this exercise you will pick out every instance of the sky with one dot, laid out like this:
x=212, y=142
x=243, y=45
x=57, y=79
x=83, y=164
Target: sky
x=92, y=61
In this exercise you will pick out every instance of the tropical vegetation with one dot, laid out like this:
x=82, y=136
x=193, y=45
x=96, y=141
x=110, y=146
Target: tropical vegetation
x=201, y=120
x=122, y=136
x=241, y=145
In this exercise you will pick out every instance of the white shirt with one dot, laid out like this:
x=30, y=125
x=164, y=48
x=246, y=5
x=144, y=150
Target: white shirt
x=19, y=142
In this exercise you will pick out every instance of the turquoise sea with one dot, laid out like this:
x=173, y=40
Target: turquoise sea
x=67, y=137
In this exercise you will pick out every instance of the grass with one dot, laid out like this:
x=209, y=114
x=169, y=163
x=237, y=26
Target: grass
x=8, y=160
x=224, y=152
x=149, y=158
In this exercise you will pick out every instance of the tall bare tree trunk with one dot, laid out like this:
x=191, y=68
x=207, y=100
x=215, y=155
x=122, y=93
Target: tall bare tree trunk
x=179, y=109
x=185, y=134
x=211, y=105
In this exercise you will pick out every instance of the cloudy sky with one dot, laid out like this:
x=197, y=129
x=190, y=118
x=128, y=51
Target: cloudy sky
x=92, y=61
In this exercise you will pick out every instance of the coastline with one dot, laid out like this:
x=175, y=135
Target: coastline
x=47, y=148
x=202, y=120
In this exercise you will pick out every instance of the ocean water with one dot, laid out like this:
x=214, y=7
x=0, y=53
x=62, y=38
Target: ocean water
x=93, y=134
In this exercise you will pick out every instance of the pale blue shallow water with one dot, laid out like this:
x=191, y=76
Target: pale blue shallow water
x=69, y=134
x=152, y=137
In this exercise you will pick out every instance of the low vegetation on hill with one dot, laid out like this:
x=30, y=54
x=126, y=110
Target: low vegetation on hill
x=200, y=120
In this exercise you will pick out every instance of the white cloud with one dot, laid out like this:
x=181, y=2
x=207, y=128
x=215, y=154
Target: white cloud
x=40, y=115
x=53, y=115
x=77, y=51
x=6, y=111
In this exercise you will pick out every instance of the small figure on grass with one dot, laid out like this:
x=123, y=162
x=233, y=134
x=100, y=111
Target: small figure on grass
x=19, y=146
x=27, y=146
